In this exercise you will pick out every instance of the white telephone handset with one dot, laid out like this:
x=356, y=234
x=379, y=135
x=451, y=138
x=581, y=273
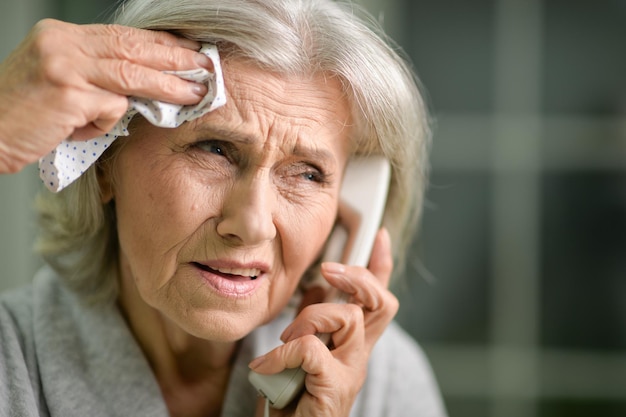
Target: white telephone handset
x=364, y=191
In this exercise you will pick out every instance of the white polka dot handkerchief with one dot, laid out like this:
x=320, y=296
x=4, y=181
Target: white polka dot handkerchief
x=71, y=158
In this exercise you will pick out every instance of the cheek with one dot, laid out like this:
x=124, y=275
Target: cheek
x=305, y=235
x=158, y=210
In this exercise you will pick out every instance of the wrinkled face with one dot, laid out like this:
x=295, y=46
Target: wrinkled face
x=219, y=219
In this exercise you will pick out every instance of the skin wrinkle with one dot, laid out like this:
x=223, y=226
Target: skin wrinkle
x=161, y=246
x=270, y=300
x=310, y=98
x=175, y=247
x=178, y=202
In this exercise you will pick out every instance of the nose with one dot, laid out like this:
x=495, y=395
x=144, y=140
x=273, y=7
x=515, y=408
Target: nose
x=248, y=211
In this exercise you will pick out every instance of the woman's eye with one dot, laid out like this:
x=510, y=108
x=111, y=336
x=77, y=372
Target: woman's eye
x=314, y=176
x=217, y=147
x=306, y=172
x=213, y=146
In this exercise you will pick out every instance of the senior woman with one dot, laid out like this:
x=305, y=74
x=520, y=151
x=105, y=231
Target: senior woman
x=176, y=262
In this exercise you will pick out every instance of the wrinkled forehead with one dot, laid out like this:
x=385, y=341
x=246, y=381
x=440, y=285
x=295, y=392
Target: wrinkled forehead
x=263, y=102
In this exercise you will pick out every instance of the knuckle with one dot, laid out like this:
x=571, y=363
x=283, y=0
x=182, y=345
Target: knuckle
x=127, y=75
x=309, y=343
x=126, y=41
x=355, y=313
x=309, y=311
x=115, y=30
x=76, y=114
x=115, y=110
x=169, y=57
x=312, y=353
x=66, y=97
x=119, y=107
x=48, y=53
x=54, y=69
x=391, y=304
x=128, y=49
x=51, y=35
x=172, y=59
x=47, y=39
x=171, y=85
x=47, y=23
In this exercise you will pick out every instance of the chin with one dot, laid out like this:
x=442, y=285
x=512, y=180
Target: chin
x=219, y=327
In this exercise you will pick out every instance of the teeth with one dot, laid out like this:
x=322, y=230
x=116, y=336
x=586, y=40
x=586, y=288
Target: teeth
x=244, y=272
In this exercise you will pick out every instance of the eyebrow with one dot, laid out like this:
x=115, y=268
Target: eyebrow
x=231, y=134
x=314, y=153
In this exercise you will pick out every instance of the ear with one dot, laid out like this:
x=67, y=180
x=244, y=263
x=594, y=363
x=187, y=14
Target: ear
x=105, y=181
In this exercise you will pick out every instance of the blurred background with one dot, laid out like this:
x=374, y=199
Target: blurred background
x=516, y=288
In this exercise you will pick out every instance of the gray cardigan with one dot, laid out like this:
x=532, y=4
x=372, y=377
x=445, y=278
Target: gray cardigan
x=59, y=357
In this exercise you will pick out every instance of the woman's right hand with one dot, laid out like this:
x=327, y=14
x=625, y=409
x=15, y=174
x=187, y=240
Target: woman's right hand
x=66, y=80
x=335, y=377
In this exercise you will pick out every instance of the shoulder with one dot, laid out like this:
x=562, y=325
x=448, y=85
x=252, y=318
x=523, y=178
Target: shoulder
x=398, y=349
x=21, y=313
x=18, y=363
x=59, y=355
x=400, y=379
x=18, y=306
x=16, y=319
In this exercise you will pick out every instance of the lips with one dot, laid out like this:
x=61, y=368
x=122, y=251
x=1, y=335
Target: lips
x=231, y=281
x=231, y=273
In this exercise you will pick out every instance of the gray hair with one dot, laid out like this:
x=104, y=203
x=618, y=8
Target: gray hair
x=78, y=233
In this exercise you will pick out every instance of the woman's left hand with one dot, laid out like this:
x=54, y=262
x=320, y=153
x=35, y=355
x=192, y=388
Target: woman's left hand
x=335, y=376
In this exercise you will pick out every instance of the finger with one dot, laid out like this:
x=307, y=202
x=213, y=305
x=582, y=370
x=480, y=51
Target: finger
x=128, y=79
x=323, y=318
x=87, y=132
x=63, y=55
x=151, y=54
x=381, y=259
x=103, y=110
x=126, y=32
x=357, y=282
x=96, y=112
x=379, y=304
x=345, y=322
x=158, y=50
x=308, y=352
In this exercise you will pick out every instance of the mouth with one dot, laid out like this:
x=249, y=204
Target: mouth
x=236, y=274
x=231, y=282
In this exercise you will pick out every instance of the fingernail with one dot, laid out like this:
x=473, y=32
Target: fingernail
x=188, y=43
x=256, y=362
x=204, y=61
x=334, y=268
x=199, y=89
x=286, y=335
